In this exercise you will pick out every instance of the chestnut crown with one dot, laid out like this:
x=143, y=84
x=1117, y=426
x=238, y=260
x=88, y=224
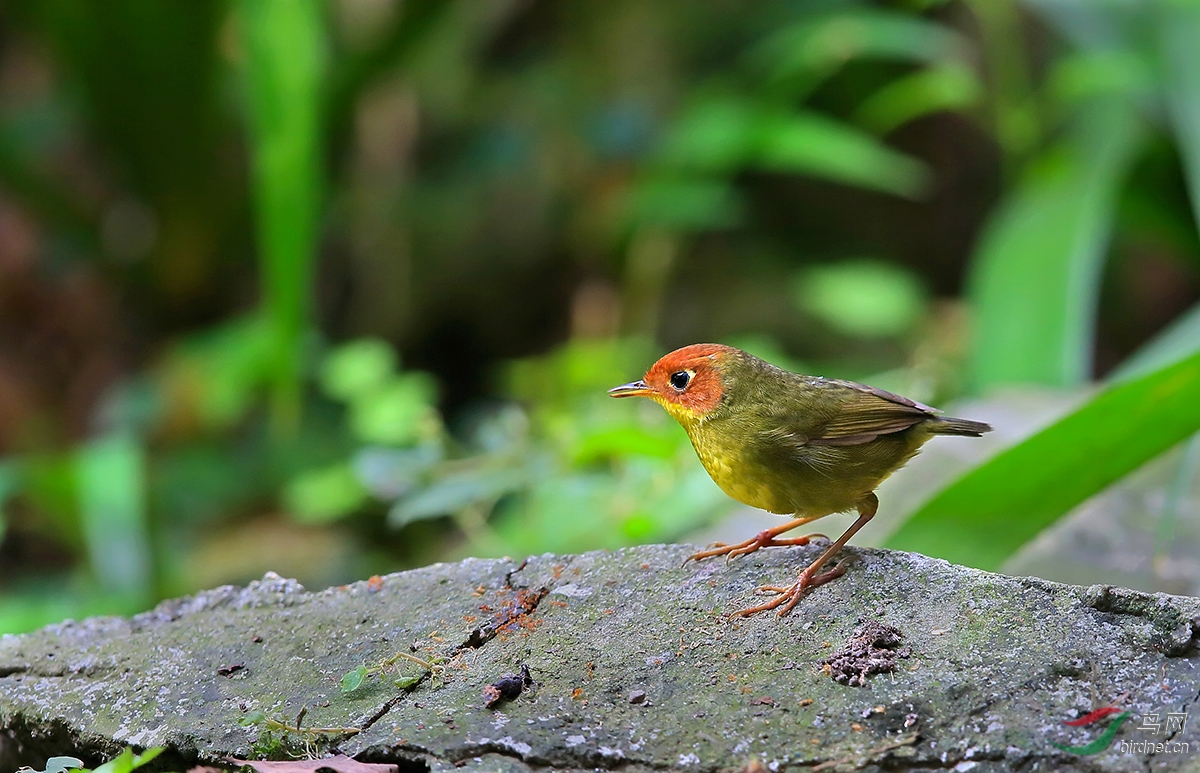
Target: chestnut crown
x=687, y=382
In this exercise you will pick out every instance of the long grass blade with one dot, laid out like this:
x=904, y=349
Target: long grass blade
x=986, y=515
x=1036, y=273
x=284, y=66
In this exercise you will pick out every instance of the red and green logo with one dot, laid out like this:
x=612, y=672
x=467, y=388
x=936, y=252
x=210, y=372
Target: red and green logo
x=1105, y=739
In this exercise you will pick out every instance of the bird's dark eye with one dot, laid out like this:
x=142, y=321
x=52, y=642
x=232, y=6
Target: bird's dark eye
x=680, y=379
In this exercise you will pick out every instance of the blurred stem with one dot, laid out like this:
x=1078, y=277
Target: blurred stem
x=283, y=69
x=9, y=480
x=1189, y=465
x=652, y=255
x=394, y=659
x=410, y=25
x=111, y=474
x=1014, y=112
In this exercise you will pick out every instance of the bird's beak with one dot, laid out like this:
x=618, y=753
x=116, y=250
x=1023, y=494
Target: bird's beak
x=632, y=389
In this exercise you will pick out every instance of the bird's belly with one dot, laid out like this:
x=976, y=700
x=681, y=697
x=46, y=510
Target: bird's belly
x=786, y=487
x=734, y=481
x=768, y=490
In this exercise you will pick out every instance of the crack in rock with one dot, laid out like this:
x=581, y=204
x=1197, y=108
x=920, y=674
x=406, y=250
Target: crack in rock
x=525, y=754
x=516, y=609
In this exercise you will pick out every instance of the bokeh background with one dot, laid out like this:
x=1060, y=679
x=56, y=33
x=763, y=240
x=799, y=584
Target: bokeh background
x=336, y=288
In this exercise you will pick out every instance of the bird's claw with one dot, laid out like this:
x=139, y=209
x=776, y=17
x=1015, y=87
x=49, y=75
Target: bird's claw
x=788, y=597
x=699, y=554
x=764, y=539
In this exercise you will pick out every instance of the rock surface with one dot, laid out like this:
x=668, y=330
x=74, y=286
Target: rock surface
x=636, y=666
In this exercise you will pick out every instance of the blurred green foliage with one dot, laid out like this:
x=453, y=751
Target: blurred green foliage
x=285, y=52
x=1027, y=487
x=125, y=762
x=333, y=288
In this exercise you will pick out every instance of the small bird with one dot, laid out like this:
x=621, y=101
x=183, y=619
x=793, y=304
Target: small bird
x=804, y=446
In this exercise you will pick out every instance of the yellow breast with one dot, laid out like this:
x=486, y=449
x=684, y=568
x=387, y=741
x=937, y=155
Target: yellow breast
x=736, y=478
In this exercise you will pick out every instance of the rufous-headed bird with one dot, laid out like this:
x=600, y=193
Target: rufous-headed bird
x=803, y=446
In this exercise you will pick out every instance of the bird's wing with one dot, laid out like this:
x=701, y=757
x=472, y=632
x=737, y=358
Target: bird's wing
x=863, y=413
x=850, y=414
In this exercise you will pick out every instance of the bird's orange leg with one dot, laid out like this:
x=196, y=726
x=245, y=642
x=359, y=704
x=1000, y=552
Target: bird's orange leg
x=764, y=539
x=788, y=597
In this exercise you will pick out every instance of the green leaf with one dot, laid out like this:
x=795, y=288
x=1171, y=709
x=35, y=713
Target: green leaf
x=818, y=47
x=224, y=368
x=357, y=367
x=454, y=492
x=122, y=763
x=147, y=756
x=811, y=144
x=352, y=680
x=1090, y=74
x=323, y=495
x=866, y=298
x=127, y=761
x=396, y=413
x=61, y=764
x=1035, y=275
x=112, y=507
x=405, y=682
x=615, y=440
x=951, y=87
x=712, y=135
x=684, y=204
x=22, y=612
x=284, y=71
x=251, y=719
x=1096, y=25
x=982, y=518
x=723, y=134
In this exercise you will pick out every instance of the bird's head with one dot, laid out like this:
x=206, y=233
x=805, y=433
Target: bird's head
x=687, y=382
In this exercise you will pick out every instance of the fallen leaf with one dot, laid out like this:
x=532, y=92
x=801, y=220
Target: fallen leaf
x=56, y=765
x=352, y=680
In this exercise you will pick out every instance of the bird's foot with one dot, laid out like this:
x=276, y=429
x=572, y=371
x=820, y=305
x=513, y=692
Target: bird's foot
x=767, y=538
x=789, y=596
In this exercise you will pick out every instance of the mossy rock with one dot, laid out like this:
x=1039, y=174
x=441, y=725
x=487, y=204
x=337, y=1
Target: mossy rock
x=636, y=664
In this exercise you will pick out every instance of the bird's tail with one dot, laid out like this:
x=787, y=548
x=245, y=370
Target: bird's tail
x=946, y=425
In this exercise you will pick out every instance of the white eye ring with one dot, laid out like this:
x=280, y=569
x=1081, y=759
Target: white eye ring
x=680, y=379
